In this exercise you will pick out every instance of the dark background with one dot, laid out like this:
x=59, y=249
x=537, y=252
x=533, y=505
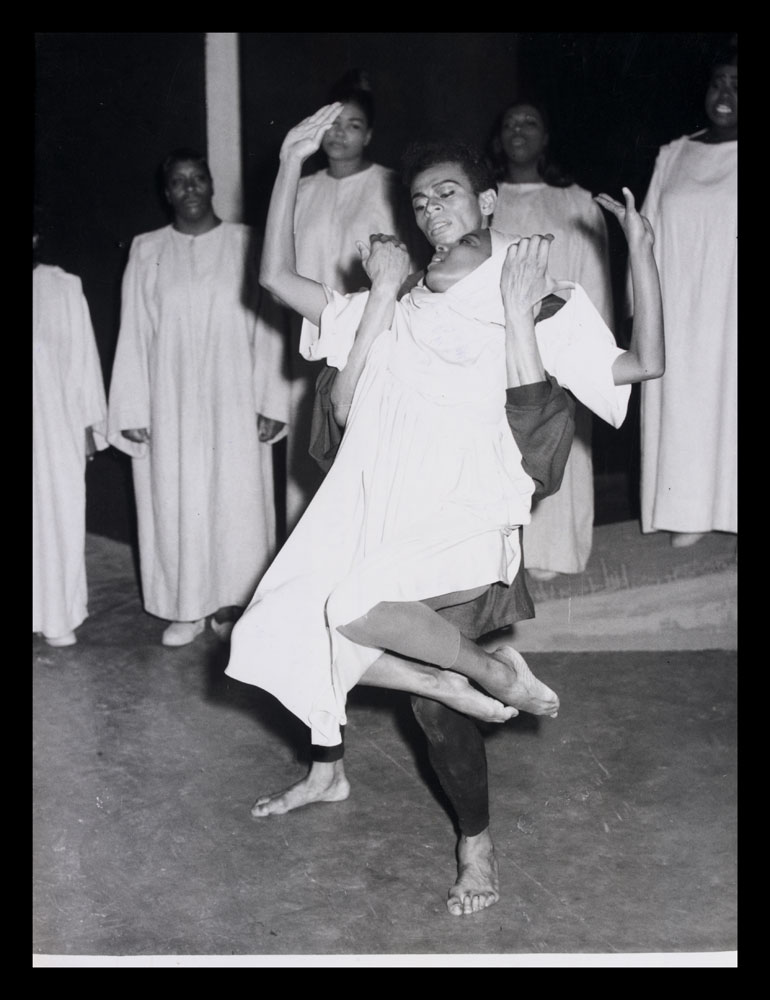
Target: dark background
x=109, y=106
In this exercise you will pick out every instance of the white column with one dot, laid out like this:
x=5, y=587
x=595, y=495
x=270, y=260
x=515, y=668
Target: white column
x=223, y=122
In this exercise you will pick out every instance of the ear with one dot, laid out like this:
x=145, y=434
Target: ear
x=488, y=201
x=368, y=138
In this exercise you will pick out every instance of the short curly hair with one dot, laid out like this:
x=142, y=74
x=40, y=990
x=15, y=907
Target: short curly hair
x=419, y=156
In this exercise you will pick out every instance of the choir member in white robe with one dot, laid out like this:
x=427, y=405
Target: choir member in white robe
x=336, y=207
x=185, y=397
x=69, y=413
x=535, y=196
x=690, y=417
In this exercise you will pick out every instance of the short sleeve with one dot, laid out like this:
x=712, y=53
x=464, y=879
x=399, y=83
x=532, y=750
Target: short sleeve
x=333, y=339
x=578, y=349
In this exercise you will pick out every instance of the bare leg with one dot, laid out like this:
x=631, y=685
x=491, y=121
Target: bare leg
x=413, y=630
x=451, y=689
x=324, y=782
x=477, y=884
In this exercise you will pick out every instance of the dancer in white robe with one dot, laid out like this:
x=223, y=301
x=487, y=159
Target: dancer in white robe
x=427, y=486
x=535, y=196
x=390, y=357
x=690, y=417
x=184, y=404
x=69, y=413
x=337, y=206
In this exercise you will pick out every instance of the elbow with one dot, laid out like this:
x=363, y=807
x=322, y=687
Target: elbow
x=268, y=280
x=651, y=366
x=656, y=368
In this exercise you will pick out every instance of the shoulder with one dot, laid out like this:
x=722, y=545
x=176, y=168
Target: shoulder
x=57, y=279
x=378, y=170
x=673, y=148
x=582, y=201
x=578, y=193
x=145, y=243
x=310, y=181
x=52, y=272
x=236, y=231
x=385, y=177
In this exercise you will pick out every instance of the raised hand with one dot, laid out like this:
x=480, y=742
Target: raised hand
x=636, y=227
x=385, y=260
x=305, y=139
x=525, y=280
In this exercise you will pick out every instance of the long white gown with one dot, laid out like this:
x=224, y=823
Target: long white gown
x=67, y=397
x=426, y=490
x=690, y=415
x=187, y=367
x=560, y=535
x=330, y=215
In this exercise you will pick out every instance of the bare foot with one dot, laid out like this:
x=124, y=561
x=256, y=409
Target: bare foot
x=476, y=887
x=456, y=692
x=517, y=685
x=324, y=782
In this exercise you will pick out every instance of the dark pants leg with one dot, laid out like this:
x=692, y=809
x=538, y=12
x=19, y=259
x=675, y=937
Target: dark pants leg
x=326, y=755
x=457, y=755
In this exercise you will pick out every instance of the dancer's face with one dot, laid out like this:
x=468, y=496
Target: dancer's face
x=446, y=206
x=448, y=265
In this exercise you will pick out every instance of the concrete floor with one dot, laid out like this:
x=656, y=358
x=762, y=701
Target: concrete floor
x=615, y=823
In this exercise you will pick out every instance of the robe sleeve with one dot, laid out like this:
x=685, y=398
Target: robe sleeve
x=88, y=368
x=578, y=349
x=334, y=338
x=129, y=398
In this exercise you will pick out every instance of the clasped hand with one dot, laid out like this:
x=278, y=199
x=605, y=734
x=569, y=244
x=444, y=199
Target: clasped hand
x=525, y=280
x=385, y=260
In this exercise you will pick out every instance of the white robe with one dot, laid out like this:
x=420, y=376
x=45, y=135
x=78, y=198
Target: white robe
x=426, y=490
x=186, y=367
x=67, y=396
x=330, y=215
x=690, y=415
x=560, y=534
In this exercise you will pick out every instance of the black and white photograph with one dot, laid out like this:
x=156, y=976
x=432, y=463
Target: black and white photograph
x=385, y=499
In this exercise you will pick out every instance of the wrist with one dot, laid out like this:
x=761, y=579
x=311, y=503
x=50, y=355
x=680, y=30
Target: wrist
x=641, y=247
x=385, y=289
x=288, y=158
